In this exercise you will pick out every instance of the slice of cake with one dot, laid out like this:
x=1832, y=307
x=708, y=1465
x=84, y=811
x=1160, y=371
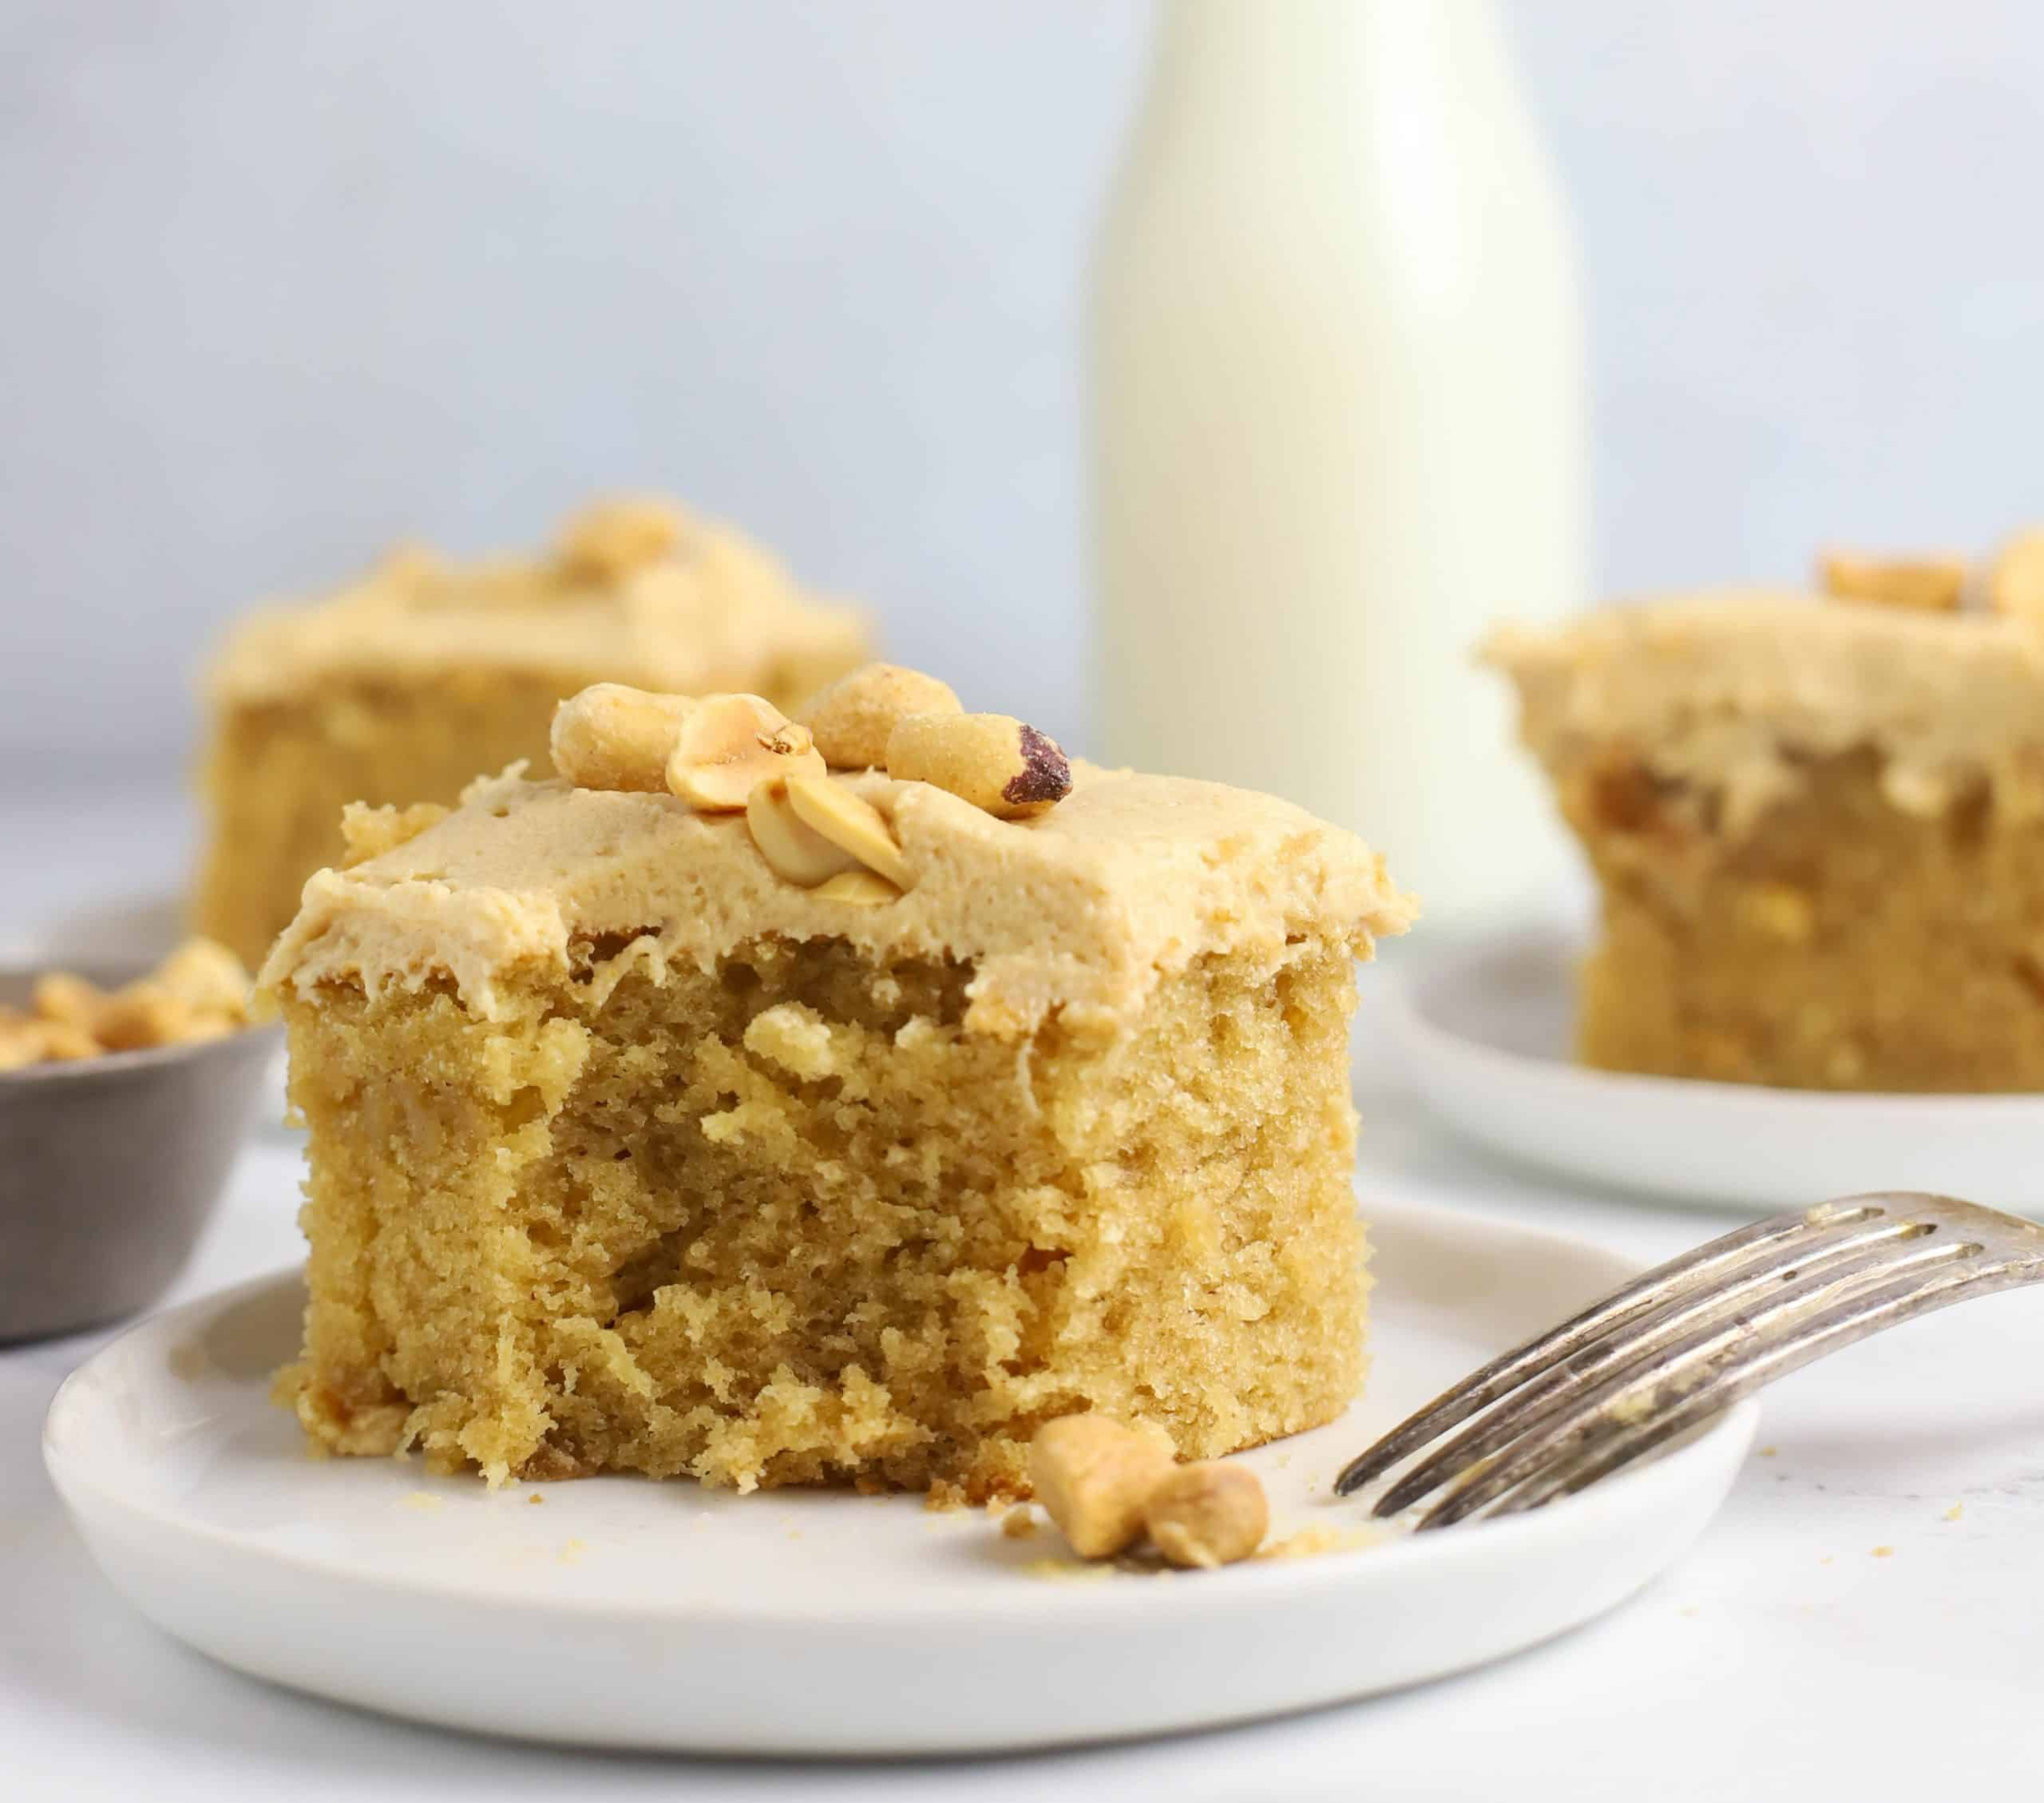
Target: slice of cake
x=406, y=684
x=754, y=1119
x=1818, y=830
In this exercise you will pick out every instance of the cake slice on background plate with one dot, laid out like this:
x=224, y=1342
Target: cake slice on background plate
x=1817, y=823
x=759, y=1118
x=401, y=686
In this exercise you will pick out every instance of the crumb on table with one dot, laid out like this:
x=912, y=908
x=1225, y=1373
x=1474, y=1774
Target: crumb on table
x=1323, y=1538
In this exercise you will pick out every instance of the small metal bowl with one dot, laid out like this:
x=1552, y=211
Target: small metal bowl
x=111, y=1166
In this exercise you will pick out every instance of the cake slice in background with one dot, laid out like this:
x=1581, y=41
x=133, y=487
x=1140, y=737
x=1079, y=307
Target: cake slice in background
x=406, y=685
x=1818, y=827
x=827, y=1127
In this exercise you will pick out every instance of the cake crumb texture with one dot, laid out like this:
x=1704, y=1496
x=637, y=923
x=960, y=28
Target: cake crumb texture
x=787, y=1220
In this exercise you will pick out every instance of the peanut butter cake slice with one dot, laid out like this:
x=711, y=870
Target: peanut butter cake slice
x=719, y=1109
x=1817, y=826
x=399, y=688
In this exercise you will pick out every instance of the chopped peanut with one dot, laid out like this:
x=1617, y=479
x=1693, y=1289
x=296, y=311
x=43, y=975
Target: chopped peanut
x=797, y=852
x=24, y=1041
x=612, y=737
x=1207, y=1514
x=410, y=570
x=145, y=1014
x=58, y=995
x=608, y=542
x=849, y=823
x=1936, y=584
x=1092, y=1475
x=199, y=992
x=730, y=745
x=862, y=888
x=207, y=978
x=2016, y=579
x=853, y=718
x=1003, y=765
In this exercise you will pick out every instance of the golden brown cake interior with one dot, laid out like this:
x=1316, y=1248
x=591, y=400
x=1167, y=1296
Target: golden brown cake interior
x=1843, y=944
x=1819, y=834
x=788, y=1220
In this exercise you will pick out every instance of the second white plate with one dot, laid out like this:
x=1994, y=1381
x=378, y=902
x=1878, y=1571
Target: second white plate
x=621, y=1613
x=1485, y=1037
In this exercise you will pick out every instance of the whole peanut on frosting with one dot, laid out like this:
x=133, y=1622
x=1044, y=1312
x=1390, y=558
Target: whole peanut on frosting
x=853, y=718
x=1001, y=764
x=1092, y=1475
x=613, y=737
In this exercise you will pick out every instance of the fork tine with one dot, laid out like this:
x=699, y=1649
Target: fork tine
x=1632, y=1340
x=1509, y=1370
x=1635, y=1399
x=1855, y=1318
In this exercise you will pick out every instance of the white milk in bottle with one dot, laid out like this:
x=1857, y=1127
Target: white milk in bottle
x=1338, y=395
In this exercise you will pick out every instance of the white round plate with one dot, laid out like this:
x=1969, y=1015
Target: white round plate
x=1485, y=1037
x=622, y=1613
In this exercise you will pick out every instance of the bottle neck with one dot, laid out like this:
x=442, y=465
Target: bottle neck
x=1238, y=58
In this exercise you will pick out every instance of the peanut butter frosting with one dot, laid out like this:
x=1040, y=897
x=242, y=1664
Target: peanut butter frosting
x=1735, y=690
x=685, y=607
x=1081, y=910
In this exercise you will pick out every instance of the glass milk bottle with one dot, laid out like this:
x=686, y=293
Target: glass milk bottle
x=1338, y=396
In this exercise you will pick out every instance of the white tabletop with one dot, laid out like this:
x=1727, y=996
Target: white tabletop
x=1783, y=1659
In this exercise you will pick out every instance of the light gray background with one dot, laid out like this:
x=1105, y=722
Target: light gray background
x=285, y=281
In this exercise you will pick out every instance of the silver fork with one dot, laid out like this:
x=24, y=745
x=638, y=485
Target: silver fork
x=1671, y=1349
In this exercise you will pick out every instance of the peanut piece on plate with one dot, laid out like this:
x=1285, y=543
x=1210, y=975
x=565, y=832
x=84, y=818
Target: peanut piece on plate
x=1092, y=1475
x=849, y=822
x=612, y=737
x=1207, y=1514
x=1000, y=765
x=862, y=888
x=730, y=745
x=797, y=852
x=1934, y=584
x=852, y=718
x=2016, y=579
x=608, y=541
